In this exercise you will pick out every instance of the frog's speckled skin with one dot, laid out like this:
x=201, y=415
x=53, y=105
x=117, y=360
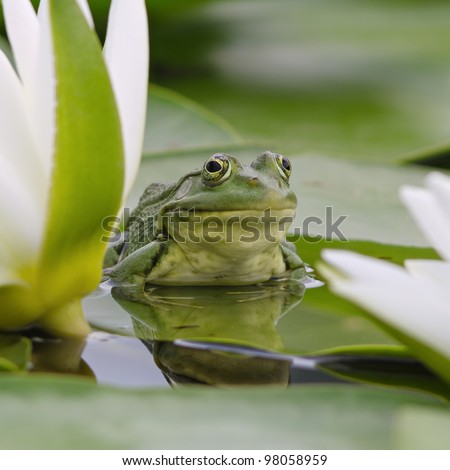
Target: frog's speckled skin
x=160, y=251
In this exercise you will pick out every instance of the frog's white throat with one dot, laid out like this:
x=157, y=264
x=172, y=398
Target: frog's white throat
x=226, y=247
x=225, y=232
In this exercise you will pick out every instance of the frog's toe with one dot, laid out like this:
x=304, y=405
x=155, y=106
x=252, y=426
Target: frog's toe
x=120, y=277
x=106, y=274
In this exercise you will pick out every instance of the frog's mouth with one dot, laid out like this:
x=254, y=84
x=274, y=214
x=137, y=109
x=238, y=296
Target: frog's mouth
x=237, y=227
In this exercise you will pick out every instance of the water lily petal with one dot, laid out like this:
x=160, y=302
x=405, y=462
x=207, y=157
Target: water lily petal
x=22, y=27
x=363, y=267
x=440, y=185
x=394, y=296
x=427, y=207
x=17, y=147
x=43, y=100
x=84, y=7
x=126, y=55
x=20, y=228
x=419, y=316
x=432, y=272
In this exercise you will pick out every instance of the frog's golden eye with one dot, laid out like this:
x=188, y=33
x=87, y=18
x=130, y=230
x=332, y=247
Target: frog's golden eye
x=217, y=169
x=284, y=166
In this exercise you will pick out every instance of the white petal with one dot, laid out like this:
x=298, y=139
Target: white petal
x=16, y=137
x=354, y=265
x=126, y=55
x=430, y=216
x=430, y=272
x=84, y=7
x=23, y=33
x=407, y=308
x=21, y=227
x=395, y=297
x=44, y=93
x=440, y=185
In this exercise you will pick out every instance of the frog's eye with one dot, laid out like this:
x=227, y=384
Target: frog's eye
x=217, y=169
x=284, y=166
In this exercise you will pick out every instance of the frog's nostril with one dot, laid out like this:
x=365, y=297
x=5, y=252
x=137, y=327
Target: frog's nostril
x=253, y=181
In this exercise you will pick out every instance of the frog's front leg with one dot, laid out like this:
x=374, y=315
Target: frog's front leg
x=134, y=269
x=293, y=262
x=291, y=258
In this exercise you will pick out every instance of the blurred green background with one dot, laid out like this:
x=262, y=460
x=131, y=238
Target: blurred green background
x=350, y=78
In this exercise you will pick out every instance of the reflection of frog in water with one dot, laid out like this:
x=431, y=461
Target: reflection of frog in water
x=243, y=318
x=222, y=225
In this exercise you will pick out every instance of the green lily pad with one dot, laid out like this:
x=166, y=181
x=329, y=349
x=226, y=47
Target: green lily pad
x=176, y=124
x=15, y=353
x=367, y=194
x=310, y=417
x=411, y=424
x=324, y=321
x=310, y=250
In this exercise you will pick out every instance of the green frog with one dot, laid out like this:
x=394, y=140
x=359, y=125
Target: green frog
x=223, y=224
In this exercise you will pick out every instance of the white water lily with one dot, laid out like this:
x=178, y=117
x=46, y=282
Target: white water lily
x=415, y=300
x=71, y=132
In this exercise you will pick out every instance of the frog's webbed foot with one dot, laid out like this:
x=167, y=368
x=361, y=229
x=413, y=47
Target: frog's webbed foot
x=115, y=251
x=291, y=258
x=134, y=268
x=106, y=273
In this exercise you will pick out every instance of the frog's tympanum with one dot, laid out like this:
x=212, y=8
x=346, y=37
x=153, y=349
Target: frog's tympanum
x=224, y=224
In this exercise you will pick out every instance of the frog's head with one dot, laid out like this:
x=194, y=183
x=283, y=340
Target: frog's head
x=238, y=200
x=223, y=184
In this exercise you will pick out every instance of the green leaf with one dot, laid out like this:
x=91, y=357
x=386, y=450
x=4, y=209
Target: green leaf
x=310, y=250
x=325, y=321
x=88, y=164
x=318, y=417
x=176, y=124
x=412, y=424
x=15, y=353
